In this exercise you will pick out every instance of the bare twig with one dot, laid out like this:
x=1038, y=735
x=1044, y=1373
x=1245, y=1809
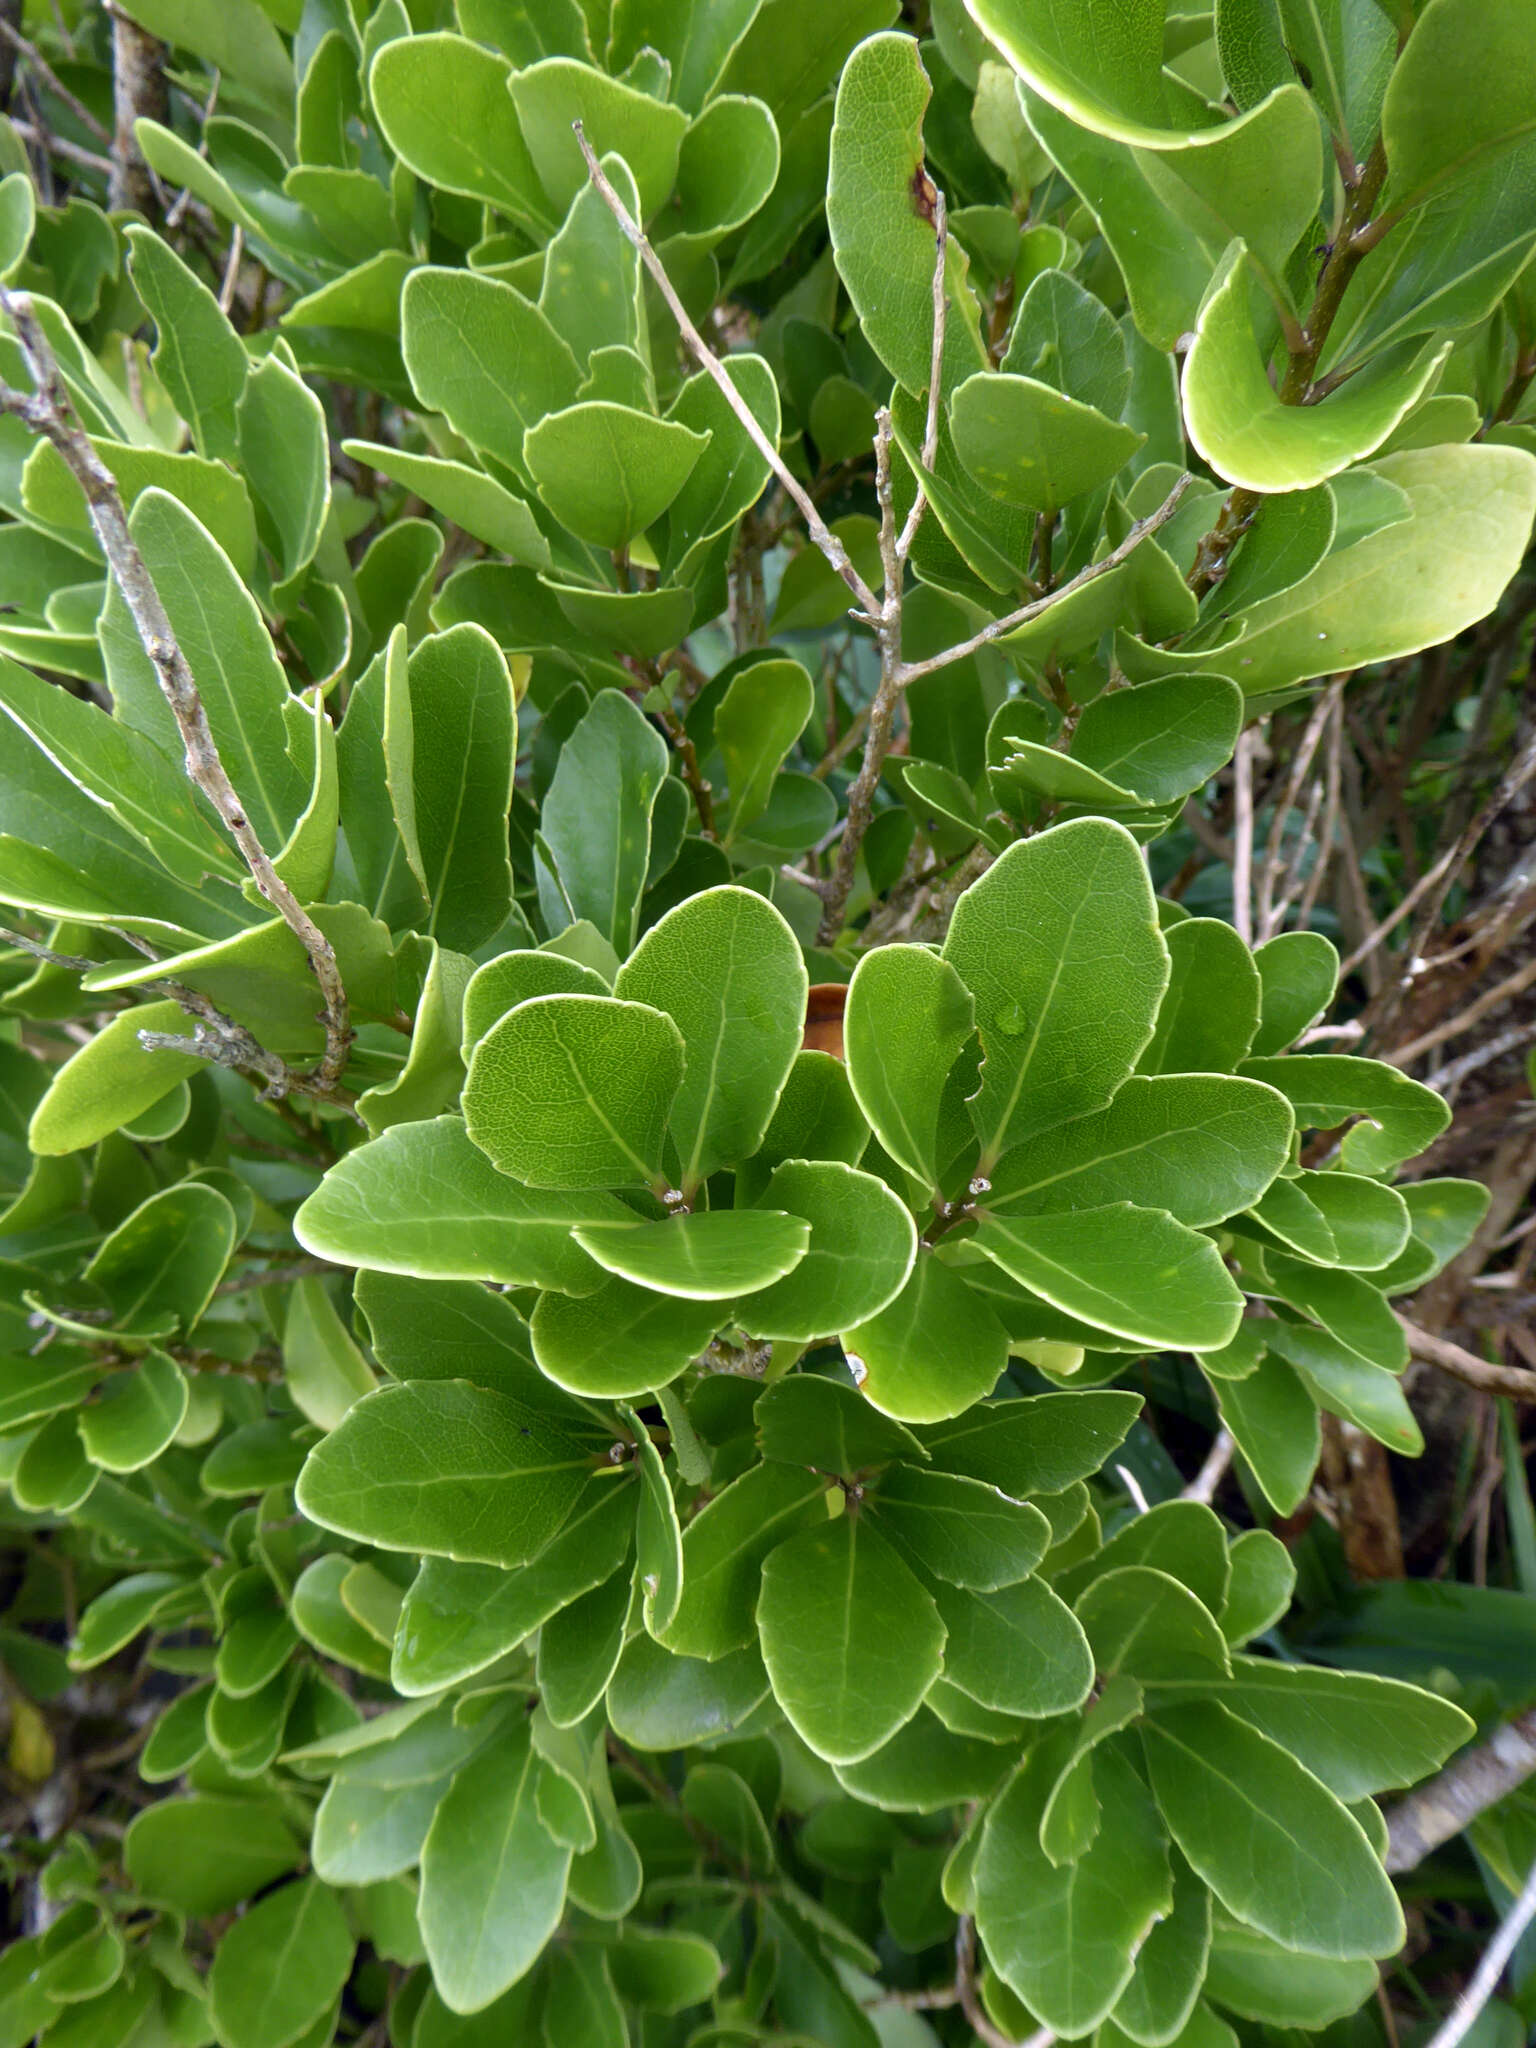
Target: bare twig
x=1454, y=1072
x=1512, y=985
x=1217, y=1460
x=232, y=270
x=47, y=411
x=1434, y=1812
x=935, y=377
x=1270, y=917
x=911, y=671
x=1242, y=836
x=66, y=152
x=49, y=78
x=1436, y=881
x=1485, y=1978
x=707, y=360
x=1466, y=1366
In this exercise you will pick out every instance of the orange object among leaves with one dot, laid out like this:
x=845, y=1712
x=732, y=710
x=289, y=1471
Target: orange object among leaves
x=824, y=1003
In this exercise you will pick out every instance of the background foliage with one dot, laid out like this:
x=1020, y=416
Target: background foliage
x=724, y=1302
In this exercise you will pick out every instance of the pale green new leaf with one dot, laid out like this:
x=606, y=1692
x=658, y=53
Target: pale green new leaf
x=908, y=1014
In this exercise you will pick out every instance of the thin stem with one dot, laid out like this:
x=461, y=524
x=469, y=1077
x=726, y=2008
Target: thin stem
x=707, y=360
x=1217, y=1460
x=910, y=671
x=47, y=411
x=1436, y=1811
x=1485, y=1978
x=52, y=81
x=935, y=376
x=1466, y=1366
x=1242, y=837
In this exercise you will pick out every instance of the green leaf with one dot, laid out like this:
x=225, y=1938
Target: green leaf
x=1134, y=1272
x=1256, y=1978
x=596, y=820
x=513, y=978
x=807, y=1420
x=647, y=134
x=658, y=1538
x=1275, y=1424
x=1163, y=739
x=608, y=472
x=934, y=1351
x=1018, y=1650
x=450, y=723
x=423, y=1199
x=1453, y=102
x=591, y=289
x=1033, y=446
x=1032, y=940
x=448, y=1469
x=1346, y=1305
x=1275, y=1847
x=730, y=473
x=206, y=1854
x=696, y=40
x=280, y=1966
x=908, y=1015
x=1065, y=1940
x=1237, y=421
x=1444, y=566
x=1360, y=1735
x=136, y=1415
x=1259, y=1593
x=237, y=39
x=1156, y=2005
x=110, y=1081
x=1183, y=1539
x=1298, y=972
x=1210, y=1012
x=322, y=1367
x=850, y=1639
x=492, y=1876
x=1043, y=1443
x=881, y=237
x=1200, y=1146
x=1327, y=1089
x=458, y=1619
x=863, y=1244
x=726, y=968
x=763, y=712
x=706, y=1257
x=924, y=1767
x=962, y=1530
x=661, y=1701
x=723, y=1551
x=480, y=151
x=1145, y=1624
x=482, y=355
x=286, y=459
x=467, y=497
x=574, y=1092
x=165, y=1259
x=226, y=644
x=621, y=1341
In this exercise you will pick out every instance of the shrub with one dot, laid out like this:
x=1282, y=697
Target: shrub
x=632, y=1508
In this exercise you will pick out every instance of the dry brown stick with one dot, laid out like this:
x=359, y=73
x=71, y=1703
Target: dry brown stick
x=138, y=93
x=51, y=79
x=1269, y=918
x=1502, y=992
x=47, y=411
x=1466, y=1366
x=1442, y=874
x=708, y=361
x=1424, y=1819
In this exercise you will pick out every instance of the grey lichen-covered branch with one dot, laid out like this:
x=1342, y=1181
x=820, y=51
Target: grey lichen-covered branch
x=1425, y=1819
x=46, y=409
